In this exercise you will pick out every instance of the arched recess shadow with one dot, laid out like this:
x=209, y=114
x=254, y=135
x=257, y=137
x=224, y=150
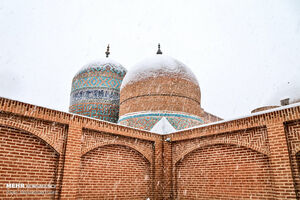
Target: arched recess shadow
x=190, y=157
x=114, y=171
x=133, y=147
x=32, y=131
x=36, y=150
x=298, y=161
x=194, y=148
x=296, y=151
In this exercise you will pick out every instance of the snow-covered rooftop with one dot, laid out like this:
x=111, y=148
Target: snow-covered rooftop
x=158, y=65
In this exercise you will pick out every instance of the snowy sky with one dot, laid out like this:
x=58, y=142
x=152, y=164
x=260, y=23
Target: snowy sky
x=239, y=50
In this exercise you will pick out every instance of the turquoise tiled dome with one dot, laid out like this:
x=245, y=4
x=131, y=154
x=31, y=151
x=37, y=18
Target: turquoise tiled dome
x=96, y=90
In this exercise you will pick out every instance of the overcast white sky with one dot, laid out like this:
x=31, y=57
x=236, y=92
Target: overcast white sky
x=240, y=50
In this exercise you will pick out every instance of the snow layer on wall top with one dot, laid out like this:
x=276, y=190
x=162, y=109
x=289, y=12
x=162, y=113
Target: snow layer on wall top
x=244, y=116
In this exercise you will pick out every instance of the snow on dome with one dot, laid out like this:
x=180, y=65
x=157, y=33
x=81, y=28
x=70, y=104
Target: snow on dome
x=100, y=63
x=290, y=89
x=158, y=65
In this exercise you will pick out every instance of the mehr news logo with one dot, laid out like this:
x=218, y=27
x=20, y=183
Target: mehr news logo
x=22, y=185
x=23, y=188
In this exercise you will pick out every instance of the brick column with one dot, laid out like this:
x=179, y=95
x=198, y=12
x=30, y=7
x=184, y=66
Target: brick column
x=167, y=170
x=280, y=163
x=71, y=170
x=59, y=175
x=158, y=169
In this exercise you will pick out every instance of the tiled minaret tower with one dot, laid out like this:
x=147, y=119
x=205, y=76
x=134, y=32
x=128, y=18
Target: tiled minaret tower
x=96, y=89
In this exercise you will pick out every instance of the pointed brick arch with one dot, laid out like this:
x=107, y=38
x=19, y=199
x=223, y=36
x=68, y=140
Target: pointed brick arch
x=115, y=171
x=255, y=138
x=296, y=150
x=32, y=130
x=187, y=151
x=29, y=160
x=143, y=153
x=226, y=170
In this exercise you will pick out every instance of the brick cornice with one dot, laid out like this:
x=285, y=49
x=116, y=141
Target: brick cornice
x=38, y=112
x=257, y=120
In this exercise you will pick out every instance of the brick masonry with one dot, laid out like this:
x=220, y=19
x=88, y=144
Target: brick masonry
x=255, y=157
x=147, y=120
x=223, y=171
x=143, y=103
x=26, y=159
x=159, y=94
x=111, y=171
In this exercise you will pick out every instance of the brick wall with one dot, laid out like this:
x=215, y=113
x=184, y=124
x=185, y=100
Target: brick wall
x=293, y=138
x=161, y=93
x=223, y=172
x=26, y=159
x=253, y=157
x=114, y=172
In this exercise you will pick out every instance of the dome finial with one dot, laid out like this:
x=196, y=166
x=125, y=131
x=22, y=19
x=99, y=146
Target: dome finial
x=107, y=51
x=159, y=51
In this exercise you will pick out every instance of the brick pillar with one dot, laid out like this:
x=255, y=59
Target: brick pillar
x=158, y=169
x=59, y=175
x=167, y=170
x=280, y=163
x=71, y=170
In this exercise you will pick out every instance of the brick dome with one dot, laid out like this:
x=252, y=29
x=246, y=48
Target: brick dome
x=160, y=86
x=96, y=90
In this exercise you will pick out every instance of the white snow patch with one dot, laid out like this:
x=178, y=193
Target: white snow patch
x=102, y=63
x=158, y=65
x=163, y=127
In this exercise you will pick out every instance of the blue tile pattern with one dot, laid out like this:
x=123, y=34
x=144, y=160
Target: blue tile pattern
x=100, y=111
x=146, y=121
x=107, y=67
x=96, y=91
x=104, y=95
x=96, y=81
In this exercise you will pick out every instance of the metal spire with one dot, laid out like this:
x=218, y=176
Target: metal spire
x=107, y=51
x=159, y=51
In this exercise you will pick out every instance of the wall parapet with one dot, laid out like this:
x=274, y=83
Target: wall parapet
x=42, y=113
x=269, y=141
x=283, y=114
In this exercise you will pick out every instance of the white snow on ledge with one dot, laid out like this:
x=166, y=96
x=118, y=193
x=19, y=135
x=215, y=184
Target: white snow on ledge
x=245, y=116
x=74, y=114
x=204, y=125
x=163, y=127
